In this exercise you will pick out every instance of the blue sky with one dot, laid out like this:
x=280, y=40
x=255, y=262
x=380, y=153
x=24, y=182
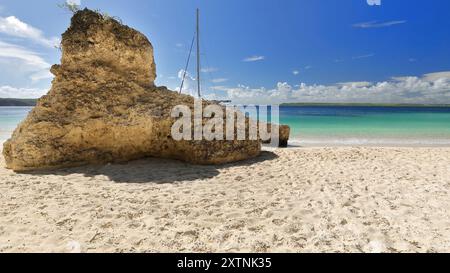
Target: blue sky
x=268, y=51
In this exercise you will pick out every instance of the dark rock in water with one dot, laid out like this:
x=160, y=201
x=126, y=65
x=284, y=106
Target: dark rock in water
x=284, y=133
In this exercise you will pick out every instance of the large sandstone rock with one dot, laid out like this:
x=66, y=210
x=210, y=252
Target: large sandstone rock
x=103, y=107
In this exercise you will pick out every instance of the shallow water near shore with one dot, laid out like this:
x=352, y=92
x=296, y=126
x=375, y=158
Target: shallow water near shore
x=334, y=125
x=10, y=117
x=368, y=126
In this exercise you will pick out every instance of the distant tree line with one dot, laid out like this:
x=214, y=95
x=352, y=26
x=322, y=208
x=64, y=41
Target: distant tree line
x=18, y=102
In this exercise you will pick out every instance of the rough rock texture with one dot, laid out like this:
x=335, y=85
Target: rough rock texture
x=284, y=133
x=93, y=40
x=103, y=107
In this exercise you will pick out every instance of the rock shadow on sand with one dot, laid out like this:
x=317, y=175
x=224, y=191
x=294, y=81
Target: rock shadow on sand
x=154, y=170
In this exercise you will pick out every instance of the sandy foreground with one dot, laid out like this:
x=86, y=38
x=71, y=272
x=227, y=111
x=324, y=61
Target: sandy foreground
x=293, y=200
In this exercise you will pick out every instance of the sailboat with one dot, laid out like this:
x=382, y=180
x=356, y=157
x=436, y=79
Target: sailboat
x=196, y=38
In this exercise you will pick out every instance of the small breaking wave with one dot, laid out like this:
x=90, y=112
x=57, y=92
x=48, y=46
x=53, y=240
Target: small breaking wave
x=383, y=142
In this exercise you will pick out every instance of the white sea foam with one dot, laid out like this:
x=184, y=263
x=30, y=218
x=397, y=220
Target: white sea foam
x=379, y=142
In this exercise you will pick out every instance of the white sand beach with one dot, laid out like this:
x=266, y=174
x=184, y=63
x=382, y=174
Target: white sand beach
x=293, y=200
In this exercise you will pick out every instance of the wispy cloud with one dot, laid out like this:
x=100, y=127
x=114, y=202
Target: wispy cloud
x=21, y=93
x=354, y=84
x=74, y=2
x=190, y=83
x=378, y=24
x=14, y=27
x=295, y=72
x=254, y=58
x=209, y=69
x=436, y=76
x=219, y=80
x=179, y=45
x=31, y=58
x=32, y=61
x=363, y=56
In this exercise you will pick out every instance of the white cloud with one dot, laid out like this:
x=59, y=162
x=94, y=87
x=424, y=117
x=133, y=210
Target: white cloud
x=21, y=93
x=430, y=88
x=377, y=24
x=308, y=67
x=29, y=57
x=41, y=75
x=220, y=88
x=363, y=56
x=431, y=77
x=180, y=45
x=209, y=69
x=219, y=80
x=74, y=2
x=354, y=84
x=20, y=60
x=12, y=26
x=295, y=72
x=254, y=59
x=190, y=83
x=29, y=62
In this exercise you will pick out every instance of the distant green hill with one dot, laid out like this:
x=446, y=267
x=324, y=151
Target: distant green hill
x=365, y=105
x=18, y=102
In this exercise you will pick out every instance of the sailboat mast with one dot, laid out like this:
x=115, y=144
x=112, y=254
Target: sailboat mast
x=198, y=55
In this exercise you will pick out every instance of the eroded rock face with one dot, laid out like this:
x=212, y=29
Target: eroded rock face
x=103, y=107
x=284, y=132
x=93, y=40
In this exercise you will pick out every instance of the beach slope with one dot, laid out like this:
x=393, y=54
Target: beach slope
x=293, y=200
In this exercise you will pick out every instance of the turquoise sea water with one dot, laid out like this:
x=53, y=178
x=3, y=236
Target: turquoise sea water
x=10, y=117
x=334, y=125
x=350, y=125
